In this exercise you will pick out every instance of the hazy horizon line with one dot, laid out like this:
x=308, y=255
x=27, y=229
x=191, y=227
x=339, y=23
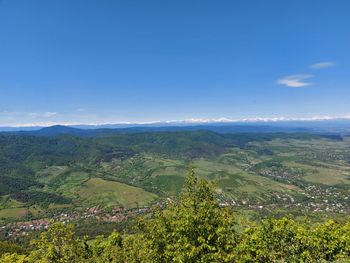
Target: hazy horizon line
x=184, y=121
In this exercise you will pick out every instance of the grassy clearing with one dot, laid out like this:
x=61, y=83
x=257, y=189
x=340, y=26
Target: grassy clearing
x=71, y=182
x=7, y=202
x=171, y=184
x=13, y=213
x=51, y=173
x=237, y=182
x=328, y=177
x=97, y=191
x=322, y=174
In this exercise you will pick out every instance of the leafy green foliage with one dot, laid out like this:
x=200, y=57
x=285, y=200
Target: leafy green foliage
x=57, y=245
x=194, y=230
x=7, y=247
x=275, y=241
x=331, y=241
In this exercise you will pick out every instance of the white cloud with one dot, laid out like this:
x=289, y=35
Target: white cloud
x=19, y=114
x=203, y=120
x=195, y=121
x=323, y=64
x=47, y=114
x=295, y=81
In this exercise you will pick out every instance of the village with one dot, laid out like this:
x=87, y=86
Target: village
x=25, y=228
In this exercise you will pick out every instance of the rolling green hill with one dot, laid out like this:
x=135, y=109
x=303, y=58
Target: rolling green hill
x=258, y=172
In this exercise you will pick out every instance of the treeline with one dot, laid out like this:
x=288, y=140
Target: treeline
x=39, y=197
x=194, y=229
x=33, y=151
x=38, y=152
x=10, y=184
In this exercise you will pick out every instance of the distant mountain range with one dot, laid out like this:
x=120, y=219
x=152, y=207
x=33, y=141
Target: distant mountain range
x=325, y=126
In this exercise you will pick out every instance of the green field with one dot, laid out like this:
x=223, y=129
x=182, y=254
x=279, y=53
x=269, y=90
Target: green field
x=14, y=213
x=97, y=191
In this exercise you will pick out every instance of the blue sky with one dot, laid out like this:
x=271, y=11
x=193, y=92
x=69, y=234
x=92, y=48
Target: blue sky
x=87, y=61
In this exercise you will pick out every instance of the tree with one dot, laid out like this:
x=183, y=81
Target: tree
x=331, y=241
x=58, y=244
x=195, y=229
x=275, y=240
x=104, y=250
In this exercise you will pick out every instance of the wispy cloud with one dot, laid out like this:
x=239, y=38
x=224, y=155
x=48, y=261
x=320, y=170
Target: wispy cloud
x=295, y=81
x=46, y=114
x=323, y=64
